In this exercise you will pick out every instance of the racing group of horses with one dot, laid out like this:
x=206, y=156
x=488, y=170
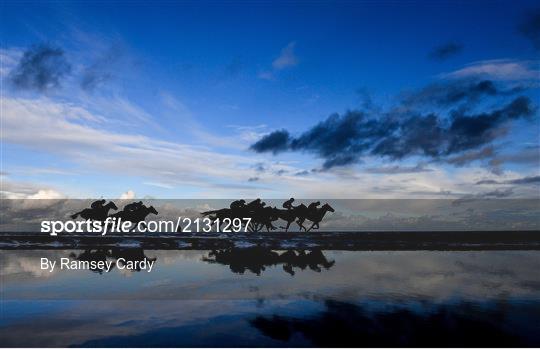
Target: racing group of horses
x=260, y=215
x=263, y=216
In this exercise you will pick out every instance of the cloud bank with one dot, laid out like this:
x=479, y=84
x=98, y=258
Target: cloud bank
x=344, y=139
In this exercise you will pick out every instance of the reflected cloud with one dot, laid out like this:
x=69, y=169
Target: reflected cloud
x=343, y=324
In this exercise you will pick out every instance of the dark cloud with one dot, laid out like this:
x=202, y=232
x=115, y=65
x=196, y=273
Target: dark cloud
x=517, y=181
x=253, y=179
x=259, y=167
x=445, y=51
x=302, y=173
x=41, y=68
x=530, y=27
x=274, y=142
x=473, y=155
x=526, y=180
x=487, y=181
x=470, y=131
x=343, y=139
x=496, y=193
x=449, y=93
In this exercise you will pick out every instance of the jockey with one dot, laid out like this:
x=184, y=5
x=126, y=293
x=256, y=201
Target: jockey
x=313, y=206
x=288, y=204
x=98, y=204
x=134, y=206
x=254, y=204
x=238, y=204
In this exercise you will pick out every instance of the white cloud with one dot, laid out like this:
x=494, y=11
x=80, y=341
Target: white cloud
x=128, y=195
x=497, y=69
x=46, y=194
x=75, y=135
x=11, y=189
x=250, y=134
x=8, y=60
x=190, y=124
x=159, y=185
x=286, y=58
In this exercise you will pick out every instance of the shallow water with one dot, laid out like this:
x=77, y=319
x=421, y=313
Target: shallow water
x=258, y=297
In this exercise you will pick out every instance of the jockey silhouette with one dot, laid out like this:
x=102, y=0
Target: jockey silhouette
x=288, y=204
x=238, y=204
x=313, y=206
x=134, y=206
x=255, y=204
x=98, y=204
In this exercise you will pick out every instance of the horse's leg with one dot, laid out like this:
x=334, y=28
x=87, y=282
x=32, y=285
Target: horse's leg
x=214, y=220
x=288, y=225
x=312, y=225
x=135, y=226
x=300, y=223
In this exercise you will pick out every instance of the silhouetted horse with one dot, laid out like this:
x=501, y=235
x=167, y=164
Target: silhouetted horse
x=288, y=216
x=264, y=218
x=97, y=214
x=260, y=217
x=135, y=216
x=314, y=216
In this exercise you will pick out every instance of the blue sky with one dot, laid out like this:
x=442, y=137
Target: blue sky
x=165, y=99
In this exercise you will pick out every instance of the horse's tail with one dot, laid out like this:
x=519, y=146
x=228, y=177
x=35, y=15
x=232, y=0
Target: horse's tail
x=74, y=216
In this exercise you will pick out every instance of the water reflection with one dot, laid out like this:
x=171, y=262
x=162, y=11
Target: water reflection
x=254, y=259
x=120, y=256
x=257, y=259
x=336, y=298
x=348, y=275
x=345, y=324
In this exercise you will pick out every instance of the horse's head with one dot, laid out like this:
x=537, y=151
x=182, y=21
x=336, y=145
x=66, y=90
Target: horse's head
x=151, y=209
x=112, y=205
x=327, y=207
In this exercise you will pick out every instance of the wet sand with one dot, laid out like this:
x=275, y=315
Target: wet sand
x=352, y=241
